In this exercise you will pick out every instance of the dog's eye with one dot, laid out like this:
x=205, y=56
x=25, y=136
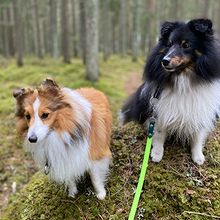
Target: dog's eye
x=28, y=117
x=185, y=45
x=44, y=115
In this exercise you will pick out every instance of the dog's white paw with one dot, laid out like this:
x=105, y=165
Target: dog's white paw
x=156, y=155
x=101, y=195
x=72, y=192
x=198, y=158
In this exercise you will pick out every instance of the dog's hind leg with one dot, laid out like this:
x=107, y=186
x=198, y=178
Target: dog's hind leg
x=158, y=145
x=197, y=146
x=98, y=174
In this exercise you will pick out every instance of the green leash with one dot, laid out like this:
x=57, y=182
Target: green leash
x=143, y=170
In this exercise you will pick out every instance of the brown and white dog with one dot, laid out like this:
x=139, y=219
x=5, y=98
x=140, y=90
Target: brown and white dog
x=67, y=131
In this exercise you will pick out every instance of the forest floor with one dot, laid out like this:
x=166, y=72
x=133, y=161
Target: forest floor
x=175, y=188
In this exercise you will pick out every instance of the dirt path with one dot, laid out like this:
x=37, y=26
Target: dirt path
x=132, y=83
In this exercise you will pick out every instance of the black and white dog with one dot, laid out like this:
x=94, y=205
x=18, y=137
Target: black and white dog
x=185, y=66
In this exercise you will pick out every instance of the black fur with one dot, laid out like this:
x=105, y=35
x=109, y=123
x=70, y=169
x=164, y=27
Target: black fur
x=137, y=107
x=203, y=53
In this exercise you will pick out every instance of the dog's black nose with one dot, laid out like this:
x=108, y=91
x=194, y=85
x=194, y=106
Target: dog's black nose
x=165, y=62
x=33, y=138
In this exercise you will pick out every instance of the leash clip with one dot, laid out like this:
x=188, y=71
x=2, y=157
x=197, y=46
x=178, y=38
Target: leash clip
x=151, y=127
x=152, y=120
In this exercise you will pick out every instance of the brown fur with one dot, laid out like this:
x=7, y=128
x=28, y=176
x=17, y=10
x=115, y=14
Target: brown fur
x=101, y=123
x=176, y=61
x=23, y=97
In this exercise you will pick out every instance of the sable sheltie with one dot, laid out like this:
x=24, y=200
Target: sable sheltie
x=67, y=131
x=184, y=68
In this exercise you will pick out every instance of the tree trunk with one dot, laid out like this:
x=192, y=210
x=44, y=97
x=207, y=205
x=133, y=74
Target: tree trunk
x=82, y=30
x=91, y=12
x=42, y=39
x=115, y=30
x=65, y=31
x=47, y=40
x=76, y=28
x=136, y=31
x=5, y=32
x=18, y=31
x=206, y=8
x=123, y=26
x=1, y=33
x=106, y=29
x=174, y=10
x=70, y=26
x=152, y=25
x=144, y=27
x=11, y=30
x=36, y=29
x=129, y=25
x=54, y=45
x=115, y=39
x=29, y=43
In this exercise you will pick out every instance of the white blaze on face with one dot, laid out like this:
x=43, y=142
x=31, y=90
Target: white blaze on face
x=38, y=129
x=167, y=56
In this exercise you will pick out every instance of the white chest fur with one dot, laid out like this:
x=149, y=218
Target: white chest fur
x=65, y=160
x=187, y=109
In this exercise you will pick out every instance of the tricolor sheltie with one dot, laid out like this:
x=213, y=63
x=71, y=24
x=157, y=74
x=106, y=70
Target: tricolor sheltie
x=67, y=131
x=185, y=66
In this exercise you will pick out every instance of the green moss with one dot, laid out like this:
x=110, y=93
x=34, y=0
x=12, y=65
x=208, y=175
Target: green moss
x=173, y=188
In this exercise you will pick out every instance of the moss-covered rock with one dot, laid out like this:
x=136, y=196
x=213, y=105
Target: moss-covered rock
x=173, y=188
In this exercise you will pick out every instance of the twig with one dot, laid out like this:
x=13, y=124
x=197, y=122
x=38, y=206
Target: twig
x=202, y=214
x=101, y=217
x=176, y=172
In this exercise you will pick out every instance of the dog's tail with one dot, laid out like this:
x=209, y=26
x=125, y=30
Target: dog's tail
x=136, y=108
x=126, y=114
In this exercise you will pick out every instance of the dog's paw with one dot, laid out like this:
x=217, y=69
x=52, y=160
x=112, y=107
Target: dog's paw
x=72, y=192
x=198, y=158
x=156, y=155
x=101, y=195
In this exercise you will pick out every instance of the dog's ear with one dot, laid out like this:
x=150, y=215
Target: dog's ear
x=48, y=82
x=201, y=26
x=20, y=93
x=17, y=93
x=166, y=28
x=49, y=86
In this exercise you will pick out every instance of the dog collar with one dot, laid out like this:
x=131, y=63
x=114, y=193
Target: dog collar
x=154, y=100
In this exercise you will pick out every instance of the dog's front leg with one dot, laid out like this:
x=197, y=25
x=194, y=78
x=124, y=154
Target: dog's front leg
x=158, y=143
x=72, y=189
x=197, y=146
